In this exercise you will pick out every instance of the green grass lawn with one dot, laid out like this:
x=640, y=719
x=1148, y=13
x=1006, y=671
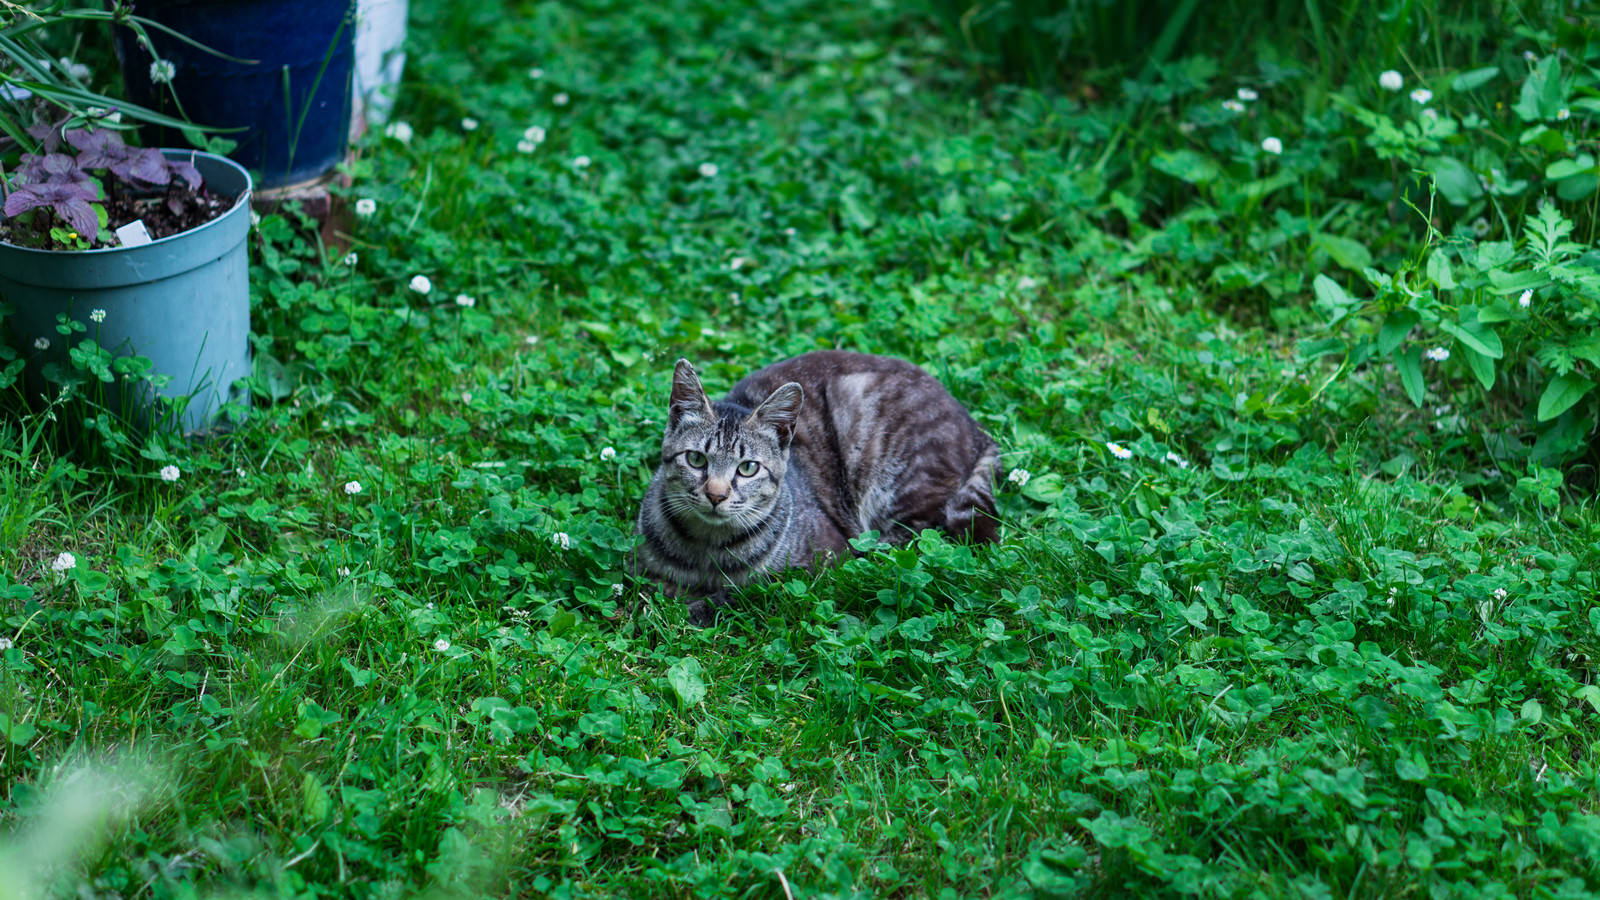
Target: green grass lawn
x=1329, y=630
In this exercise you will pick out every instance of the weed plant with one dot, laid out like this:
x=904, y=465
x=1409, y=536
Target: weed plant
x=1269, y=618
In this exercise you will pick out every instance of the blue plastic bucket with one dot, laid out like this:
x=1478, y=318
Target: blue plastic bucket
x=183, y=302
x=293, y=98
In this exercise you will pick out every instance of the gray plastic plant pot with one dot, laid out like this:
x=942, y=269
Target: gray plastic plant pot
x=183, y=302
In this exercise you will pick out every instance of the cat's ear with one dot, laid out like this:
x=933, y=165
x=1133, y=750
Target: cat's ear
x=689, y=399
x=779, y=411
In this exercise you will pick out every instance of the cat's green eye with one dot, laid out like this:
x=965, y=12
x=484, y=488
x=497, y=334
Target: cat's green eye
x=749, y=467
x=695, y=459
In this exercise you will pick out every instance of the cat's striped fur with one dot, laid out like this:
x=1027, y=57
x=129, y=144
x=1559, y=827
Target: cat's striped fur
x=802, y=456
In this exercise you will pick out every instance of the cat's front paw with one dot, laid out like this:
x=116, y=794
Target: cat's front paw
x=703, y=610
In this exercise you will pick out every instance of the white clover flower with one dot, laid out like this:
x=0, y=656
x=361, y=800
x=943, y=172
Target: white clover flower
x=1392, y=593
x=1429, y=113
x=738, y=262
x=1019, y=477
x=466, y=301
x=1272, y=145
x=1438, y=354
x=560, y=99
x=162, y=70
x=1421, y=96
x=1233, y=106
x=1480, y=226
x=1391, y=80
x=365, y=207
x=352, y=487
x=421, y=284
x=1119, y=451
x=97, y=316
x=255, y=219
x=1027, y=283
x=1500, y=593
x=1176, y=460
x=561, y=539
x=342, y=571
x=5, y=644
x=1247, y=95
x=617, y=589
x=63, y=562
x=581, y=162
x=708, y=170
x=1529, y=56
x=607, y=454
x=441, y=645
x=170, y=473
x=469, y=124
x=531, y=339
x=400, y=131
x=1526, y=300
x=350, y=259
x=533, y=134
x=789, y=232
x=1563, y=114
x=526, y=146
x=41, y=343
x=77, y=71
x=466, y=396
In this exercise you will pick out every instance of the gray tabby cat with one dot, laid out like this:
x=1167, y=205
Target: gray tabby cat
x=802, y=456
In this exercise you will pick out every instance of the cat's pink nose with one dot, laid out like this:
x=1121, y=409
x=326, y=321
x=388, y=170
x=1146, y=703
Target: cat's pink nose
x=716, y=496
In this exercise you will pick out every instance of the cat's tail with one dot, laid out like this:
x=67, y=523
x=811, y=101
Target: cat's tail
x=970, y=512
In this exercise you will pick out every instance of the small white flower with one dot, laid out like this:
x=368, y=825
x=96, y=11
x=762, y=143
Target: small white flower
x=1233, y=106
x=1272, y=145
x=63, y=562
x=421, y=284
x=1529, y=56
x=1119, y=451
x=1248, y=95
x=342, y=571
x=617, y=589
x=1563, y=114
x=5, y=643
x=526, y=146
x=1391, y=80
x=170, y=473
x=77, y=71
x=1500, y=593
x=1392, y=593
x=581, y=162
x=738, y=262
x=466, y=396
x=1187, y=127
x=1177, y=460
x=533, y=134
x=788, y=232
x=1526, y=300
x=1421, y=96
x=1019, y=477
x=708, y=170
x=41, y=343
x=1027, y=283
x=255, y=219
x=560, y=99
x=1480, y=226
x=400, y=131
x=466, y=301
x=531, y=339
x=561, y=539
x=1438, y=354
x=469, y=124
x=352, y=487
x=536, y=73
x=441, y=645
x=607, y=454
x=240, y=472
x=365, y=207
x=350, y=259
x=162, y=70
x=97, y=316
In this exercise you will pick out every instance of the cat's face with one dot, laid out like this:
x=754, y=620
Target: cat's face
x=725, y=471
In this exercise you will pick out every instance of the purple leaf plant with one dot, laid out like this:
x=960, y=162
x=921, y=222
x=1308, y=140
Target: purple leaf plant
x=62, y=183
